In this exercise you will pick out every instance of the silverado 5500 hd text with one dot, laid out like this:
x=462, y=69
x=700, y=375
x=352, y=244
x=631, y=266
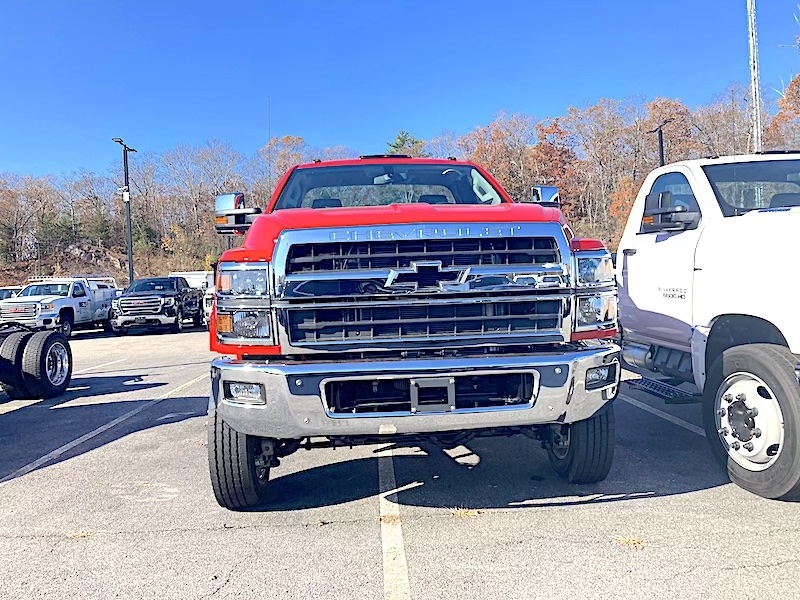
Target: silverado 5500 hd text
x=389, y=299
x=706, y=270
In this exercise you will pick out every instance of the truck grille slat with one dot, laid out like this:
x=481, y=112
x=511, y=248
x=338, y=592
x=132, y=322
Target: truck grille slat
x=365, y=324
x=340, y=256
x=18, y=312
x=140, y=306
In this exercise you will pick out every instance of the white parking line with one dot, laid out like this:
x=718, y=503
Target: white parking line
x=666, y=416
x=395, y=567
x=95, y=432
x=108, y=364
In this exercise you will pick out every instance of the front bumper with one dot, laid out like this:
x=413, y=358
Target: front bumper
x=296, y=406
x=122, y=321
x=43, y=321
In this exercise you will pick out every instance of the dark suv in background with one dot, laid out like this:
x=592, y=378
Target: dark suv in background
x=157, y=301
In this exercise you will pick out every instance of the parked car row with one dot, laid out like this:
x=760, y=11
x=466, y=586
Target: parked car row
x=88, y=301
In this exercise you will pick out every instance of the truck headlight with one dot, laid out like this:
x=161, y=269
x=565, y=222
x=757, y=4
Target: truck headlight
x=596, y=311
x=169, y=301
x=595, y=271
x=115, y=304
x=251, y=324
x=236, y=279
x=50, y=307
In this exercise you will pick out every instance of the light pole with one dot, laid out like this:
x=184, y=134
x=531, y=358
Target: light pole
x=126, y=200
x=660, y=140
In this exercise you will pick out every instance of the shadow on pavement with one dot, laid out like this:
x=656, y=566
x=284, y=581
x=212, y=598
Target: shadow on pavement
x=58, y=428
x=514, y=472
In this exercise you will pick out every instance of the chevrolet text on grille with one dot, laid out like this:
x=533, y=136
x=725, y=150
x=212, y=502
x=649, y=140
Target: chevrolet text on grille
x=421, y=233
x=356, y=312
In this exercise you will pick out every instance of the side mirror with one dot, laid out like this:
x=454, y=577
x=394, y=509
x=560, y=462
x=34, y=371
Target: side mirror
x=661, y=218
x=231, y=215
x=545, y=195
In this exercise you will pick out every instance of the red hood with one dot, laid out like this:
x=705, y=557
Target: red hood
x=260, y=240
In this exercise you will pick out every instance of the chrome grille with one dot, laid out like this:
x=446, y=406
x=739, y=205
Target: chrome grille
x=366, y=255
x=18, y=312
x=140, y=306
x=470, y=319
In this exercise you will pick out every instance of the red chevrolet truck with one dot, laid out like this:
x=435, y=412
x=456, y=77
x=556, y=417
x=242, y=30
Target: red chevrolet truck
x=395, y=299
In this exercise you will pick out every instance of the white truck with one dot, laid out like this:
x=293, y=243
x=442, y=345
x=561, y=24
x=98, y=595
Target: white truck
x=61, y=303
x=706, y=295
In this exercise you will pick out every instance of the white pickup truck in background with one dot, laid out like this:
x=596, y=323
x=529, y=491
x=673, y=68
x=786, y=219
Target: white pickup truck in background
x=62, y=302
x=708, y=291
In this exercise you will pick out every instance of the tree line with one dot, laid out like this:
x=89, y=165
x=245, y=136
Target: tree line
x=597, y=155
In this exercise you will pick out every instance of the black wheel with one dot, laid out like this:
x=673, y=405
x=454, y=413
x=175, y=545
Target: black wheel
x=751, y=415
x=65, y=324
x=197, y=319
x=47, y=364
x=107, y=327
x=120, y=331
x=177, y=327
x=587, y=451
x=238, y=466
x=11, y=351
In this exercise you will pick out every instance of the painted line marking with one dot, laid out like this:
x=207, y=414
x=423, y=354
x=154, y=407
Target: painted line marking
x=95, y=432
x=89, y=369
x=395, y=566
x=666, y=416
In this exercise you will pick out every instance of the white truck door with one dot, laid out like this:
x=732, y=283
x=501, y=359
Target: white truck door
x=82, y=303
x=657, y=269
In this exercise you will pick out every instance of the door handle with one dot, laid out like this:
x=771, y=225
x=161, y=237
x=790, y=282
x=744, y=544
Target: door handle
x=629, y=251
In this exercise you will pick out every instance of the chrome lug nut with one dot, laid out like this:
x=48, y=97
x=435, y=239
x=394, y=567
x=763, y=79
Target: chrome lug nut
x=735, y=446
x=749, y=446
x=741, y=397
x=721, y=412
x=728, y=398
x=752, y=412
x=756, y=432
x=723, y=431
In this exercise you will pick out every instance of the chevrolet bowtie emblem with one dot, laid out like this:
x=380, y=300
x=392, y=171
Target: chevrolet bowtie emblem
x=424, y=275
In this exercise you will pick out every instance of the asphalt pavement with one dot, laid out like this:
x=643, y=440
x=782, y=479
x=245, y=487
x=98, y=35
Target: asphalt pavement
x=105, y=493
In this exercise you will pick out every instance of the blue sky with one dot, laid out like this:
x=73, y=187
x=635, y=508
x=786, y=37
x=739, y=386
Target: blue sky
x=350, y=72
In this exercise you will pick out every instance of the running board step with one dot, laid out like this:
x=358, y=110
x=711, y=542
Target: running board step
x=669, y=393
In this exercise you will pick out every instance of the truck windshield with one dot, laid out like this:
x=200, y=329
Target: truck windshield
x=381, y=184
x=46, y=289
x=745, y=186
x=153, y=285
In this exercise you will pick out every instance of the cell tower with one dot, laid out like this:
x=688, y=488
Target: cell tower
x=755, y=88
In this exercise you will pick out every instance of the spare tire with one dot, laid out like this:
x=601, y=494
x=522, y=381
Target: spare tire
x=47, y=364
x=11, y=351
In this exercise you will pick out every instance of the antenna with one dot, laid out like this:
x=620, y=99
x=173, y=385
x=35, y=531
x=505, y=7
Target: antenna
x=755, y=88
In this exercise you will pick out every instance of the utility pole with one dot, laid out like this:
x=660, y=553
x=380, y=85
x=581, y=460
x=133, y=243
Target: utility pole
x=126, y=200
x=755, y=86
x=660, y=140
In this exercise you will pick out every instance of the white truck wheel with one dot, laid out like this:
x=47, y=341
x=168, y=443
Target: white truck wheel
x=751, y=414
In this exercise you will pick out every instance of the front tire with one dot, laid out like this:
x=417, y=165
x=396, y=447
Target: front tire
x=751, y=416
x=65, y=324
x=588, y=455
x=237, y=465
x=198, y=319
x=177, y=327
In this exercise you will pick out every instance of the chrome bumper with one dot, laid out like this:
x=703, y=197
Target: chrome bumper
x=120, y=321
x=296, y=406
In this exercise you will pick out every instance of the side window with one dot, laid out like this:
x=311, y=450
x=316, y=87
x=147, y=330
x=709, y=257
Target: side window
x=182, y=284
x=669, y=189
x=78, y=291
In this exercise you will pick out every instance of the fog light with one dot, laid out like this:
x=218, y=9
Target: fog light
x=598, y=377
x=246, y=393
